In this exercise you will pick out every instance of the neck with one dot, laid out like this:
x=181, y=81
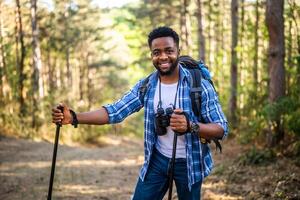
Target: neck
x=172, y=78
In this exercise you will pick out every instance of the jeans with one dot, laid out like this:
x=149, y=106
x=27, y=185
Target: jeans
x=156, y=183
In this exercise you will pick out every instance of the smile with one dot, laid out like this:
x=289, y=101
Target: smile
x=164, y=65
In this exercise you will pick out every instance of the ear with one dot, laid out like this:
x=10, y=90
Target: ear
x=179, y=51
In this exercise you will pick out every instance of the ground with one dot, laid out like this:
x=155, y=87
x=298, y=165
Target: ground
x=110, y=171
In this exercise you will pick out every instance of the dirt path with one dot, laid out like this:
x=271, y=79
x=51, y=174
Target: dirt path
x=81, y=173
x=110, y=172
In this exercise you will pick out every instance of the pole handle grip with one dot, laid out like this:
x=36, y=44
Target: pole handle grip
x=61, y=108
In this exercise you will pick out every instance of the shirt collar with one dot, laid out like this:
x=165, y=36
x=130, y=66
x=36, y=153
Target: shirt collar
x=183, y=75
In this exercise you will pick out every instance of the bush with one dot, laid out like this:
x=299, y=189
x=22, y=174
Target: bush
x=286, y=109
x=257, y=157
x=293, y=122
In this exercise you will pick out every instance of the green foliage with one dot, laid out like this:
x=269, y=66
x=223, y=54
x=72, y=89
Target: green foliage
x=90, y=134
x=293, y=122
x=255, y=125
x=219, y=170
x=257, y=157
x=11, y=124
x=252, y=122
x=275, y=110
x=134, y=125
x=287, y=108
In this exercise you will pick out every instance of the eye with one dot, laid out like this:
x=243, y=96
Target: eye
x=155, y=53
x=170, y=51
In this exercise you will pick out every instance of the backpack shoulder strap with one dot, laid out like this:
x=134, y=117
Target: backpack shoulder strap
x=195, y=82
x=144, y=87
x=195, y=92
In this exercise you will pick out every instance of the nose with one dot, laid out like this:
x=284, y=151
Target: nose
x=163, y=56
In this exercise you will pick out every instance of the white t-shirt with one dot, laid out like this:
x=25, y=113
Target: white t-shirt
x=164, y=143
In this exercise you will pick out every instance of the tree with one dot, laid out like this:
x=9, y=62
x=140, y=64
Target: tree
x=255, y=58
x=2, y=56
x=275, y=26
x=209, y=32
x=201, y=39
x=37, y=79
x=20, y=58
x=184, y=27
x=234, y=61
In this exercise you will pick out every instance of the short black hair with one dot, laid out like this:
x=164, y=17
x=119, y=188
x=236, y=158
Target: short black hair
x=163, y=31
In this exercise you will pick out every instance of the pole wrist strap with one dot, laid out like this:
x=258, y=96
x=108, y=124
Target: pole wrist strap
x=75, y=120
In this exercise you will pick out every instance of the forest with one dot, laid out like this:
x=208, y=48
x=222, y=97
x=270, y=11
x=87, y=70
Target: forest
x=87, y=55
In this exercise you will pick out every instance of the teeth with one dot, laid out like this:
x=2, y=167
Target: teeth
x=164, y=64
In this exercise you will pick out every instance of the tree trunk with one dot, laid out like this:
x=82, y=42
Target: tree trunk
x=233, y=70
x=2, y=60
x=298, y=64
x=242, y=61
x=222, y=41
x=37, y=58
x=82, y=75
x=275, y=26
x=69, y=73
x=37, y=82
x=294, y=16
x=89, y=83
x=289, y=53
x=185, y=28
x=255, y=59
x=20, y=58
x=217, y=39
x=51, y=81
x=201, y=38
x=209, y=35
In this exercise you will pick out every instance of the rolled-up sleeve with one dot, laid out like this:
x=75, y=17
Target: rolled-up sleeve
x=125, y=106
x=211, y=110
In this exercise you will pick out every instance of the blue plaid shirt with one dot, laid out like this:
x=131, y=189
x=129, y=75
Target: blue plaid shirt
x=199, y=159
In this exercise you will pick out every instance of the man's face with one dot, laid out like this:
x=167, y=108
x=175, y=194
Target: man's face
x=164, y=54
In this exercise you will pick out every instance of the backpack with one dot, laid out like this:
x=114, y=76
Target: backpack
x=198, y=70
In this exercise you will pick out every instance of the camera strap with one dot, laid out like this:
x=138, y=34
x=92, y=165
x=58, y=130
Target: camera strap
x=159, y=105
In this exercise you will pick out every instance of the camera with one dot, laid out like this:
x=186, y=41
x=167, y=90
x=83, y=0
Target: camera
x=162, y=120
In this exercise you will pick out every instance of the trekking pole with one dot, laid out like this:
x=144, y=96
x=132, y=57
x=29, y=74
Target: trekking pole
x=58, y=125
x=171, y=169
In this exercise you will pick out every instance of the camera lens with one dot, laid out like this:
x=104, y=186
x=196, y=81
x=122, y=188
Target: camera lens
x=169, y=111
x=160, y=111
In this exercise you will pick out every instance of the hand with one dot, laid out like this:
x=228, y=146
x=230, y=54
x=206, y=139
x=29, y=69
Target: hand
x=178, y=121
x=64, y=117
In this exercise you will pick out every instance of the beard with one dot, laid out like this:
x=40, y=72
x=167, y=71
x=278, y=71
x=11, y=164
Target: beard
x=169, y=71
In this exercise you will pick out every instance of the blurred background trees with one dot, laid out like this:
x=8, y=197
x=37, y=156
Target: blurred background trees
x=87, y=55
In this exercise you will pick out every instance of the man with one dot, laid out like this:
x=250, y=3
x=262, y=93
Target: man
x=168, y=87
